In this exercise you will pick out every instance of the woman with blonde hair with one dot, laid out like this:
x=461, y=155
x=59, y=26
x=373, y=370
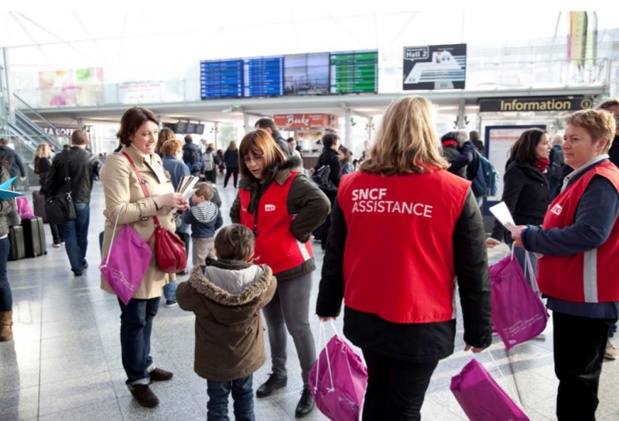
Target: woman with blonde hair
x=282, y=207
x=42, y=164
x=403, y=228
x=165, y=134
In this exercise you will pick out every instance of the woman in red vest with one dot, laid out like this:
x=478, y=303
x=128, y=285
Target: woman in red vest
x=580, y=243
x=402, y=228
x=282, y=207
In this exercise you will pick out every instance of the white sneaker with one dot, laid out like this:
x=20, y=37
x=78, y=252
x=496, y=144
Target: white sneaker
x=611, y=350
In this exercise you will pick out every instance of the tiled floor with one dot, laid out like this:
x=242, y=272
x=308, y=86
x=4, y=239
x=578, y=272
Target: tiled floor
x=64, y=363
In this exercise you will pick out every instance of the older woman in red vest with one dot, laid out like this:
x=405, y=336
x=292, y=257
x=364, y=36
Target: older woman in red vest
x=282, y=207
x=403, y=228
x=580, y=243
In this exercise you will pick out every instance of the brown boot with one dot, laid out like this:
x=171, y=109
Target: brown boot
x=6, y=323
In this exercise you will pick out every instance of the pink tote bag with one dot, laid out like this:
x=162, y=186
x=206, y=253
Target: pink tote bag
x=23, y=208
x=338, y=380
x=126, y=262
x=518, y=314
x=481, y=398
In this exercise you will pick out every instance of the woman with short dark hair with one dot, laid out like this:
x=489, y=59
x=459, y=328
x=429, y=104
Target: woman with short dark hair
x=125, y=199
x=525, y=188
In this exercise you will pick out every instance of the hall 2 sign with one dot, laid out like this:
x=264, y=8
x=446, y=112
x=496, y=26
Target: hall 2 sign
x=305, y=121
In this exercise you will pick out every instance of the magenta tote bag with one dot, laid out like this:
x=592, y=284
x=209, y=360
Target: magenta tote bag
x=338, y=380
x=23, y=208
x=518, y=314
x=126, y=262
x=481, y=398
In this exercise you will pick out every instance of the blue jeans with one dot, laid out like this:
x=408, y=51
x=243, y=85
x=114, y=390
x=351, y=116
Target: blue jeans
x=6, y=297
x=242, y=394
x=169, y=291
x=76, y=237
x=136, y=325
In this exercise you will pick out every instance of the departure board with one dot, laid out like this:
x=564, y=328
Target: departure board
x=221, y=79
x=354, y=72
x=263, y=76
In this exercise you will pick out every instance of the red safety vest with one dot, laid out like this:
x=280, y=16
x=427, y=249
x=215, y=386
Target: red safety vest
x=275, y=244
x=398, y=260
x=589, y=277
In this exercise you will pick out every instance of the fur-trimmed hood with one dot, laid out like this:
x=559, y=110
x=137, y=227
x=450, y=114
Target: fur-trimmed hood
x=249, y=285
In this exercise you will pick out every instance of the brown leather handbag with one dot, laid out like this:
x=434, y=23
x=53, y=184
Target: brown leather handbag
x=170, y=252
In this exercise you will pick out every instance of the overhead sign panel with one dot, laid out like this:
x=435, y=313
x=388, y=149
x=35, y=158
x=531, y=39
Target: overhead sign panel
x=354, y=72
x=434, y=67
x=523, y=104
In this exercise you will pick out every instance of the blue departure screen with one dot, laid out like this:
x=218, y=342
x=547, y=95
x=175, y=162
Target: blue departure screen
x=264, y=76
x=221, y=79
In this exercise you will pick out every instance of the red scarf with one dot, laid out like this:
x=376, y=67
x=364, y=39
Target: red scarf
x=542, y=163
x=450, y=142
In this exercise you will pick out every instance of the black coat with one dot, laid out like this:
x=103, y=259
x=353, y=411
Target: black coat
x=329, y=157
x=83, y=169
x=525, y=192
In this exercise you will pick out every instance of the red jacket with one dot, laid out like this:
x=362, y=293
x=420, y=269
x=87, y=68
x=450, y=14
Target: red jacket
x=275, y=244
x=588, y=277
x=398, y=261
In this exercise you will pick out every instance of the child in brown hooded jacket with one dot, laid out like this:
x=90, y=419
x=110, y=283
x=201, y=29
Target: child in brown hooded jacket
x=226, y=295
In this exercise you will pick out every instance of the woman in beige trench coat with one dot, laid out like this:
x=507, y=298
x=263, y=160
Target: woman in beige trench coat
x=123, y=193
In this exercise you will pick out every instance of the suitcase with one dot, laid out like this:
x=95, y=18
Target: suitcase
x=16, y=238
x=38, y=201
x=34, y=237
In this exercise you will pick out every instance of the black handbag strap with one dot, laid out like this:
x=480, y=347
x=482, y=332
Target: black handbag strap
x=67, y=180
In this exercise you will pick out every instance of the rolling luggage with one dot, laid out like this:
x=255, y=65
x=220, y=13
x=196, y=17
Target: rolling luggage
x=34, y=237
x=16, y=238
x=38, y=200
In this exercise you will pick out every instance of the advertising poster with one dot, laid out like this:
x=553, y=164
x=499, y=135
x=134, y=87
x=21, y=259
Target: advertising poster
x=139, y=92
x=499, y=140
x=434, y=67
x=81, y=87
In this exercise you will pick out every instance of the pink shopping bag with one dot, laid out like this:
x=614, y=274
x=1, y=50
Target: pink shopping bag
x=126, y=262
x=23, y=208
x=481, y=398
x=338, y=380
x=518, y=314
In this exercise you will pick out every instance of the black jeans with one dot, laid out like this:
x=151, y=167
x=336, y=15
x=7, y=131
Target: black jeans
x=396, y=389
x=234, y=171
x=242, y=394
x=136, y=325
x=579, y=344
x=6, y=296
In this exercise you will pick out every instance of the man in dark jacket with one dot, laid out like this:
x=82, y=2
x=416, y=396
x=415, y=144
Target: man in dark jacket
x=192, y=156
x=451, y=142
x=12, y=160
x=82, y=168
x=269, y=125
x=331, y=142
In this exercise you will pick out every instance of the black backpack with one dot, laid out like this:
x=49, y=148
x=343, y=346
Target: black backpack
x=322, y=178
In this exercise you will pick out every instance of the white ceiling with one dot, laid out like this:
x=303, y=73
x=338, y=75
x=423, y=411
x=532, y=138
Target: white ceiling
x=161, y=41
